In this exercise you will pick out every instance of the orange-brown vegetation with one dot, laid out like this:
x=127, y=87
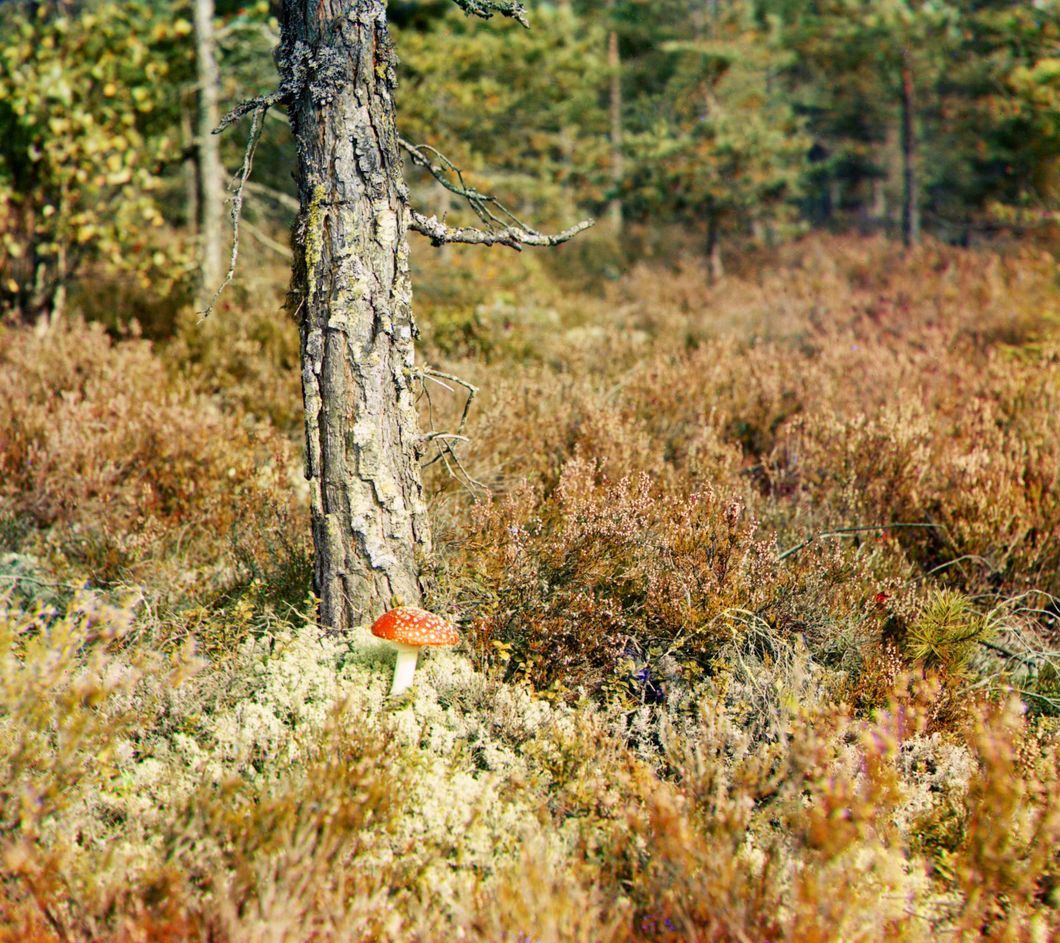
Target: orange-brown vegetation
x=112, y=470
x=760, y=610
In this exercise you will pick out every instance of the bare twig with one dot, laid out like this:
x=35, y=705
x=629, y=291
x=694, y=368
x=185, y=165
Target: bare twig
x=237, y=201
x=434, y=379
x=503, y=227
x=847, y=531
x=472, y=391
x=1001, y=650
x=283, y=199
x=266, y=240
x=424, y=155
x=954, y=562
x=1052, y=702
x=446, y=453
x=260, y=104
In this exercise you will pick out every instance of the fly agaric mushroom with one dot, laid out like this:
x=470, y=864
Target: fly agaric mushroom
x=411, y=629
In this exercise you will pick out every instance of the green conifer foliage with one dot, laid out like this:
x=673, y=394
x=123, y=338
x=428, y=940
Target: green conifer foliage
x=520, y=110
x=984, y=103
x=720, y=146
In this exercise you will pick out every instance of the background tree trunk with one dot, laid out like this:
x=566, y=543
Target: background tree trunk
x=352, y=295
x=614, y=63
x=189, y=171
x=211, y=188
x=715, y=264
x=910, y=197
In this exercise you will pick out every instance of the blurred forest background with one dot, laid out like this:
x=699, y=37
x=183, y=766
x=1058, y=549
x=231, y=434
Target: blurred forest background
x=737, y=122
x=754, y=539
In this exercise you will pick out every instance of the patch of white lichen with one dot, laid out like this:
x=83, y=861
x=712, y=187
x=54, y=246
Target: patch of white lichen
x=481, y=767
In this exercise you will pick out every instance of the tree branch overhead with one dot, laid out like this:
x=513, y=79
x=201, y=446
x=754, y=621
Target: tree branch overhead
x=511, y=236
x=512, y=9
x=503, y=227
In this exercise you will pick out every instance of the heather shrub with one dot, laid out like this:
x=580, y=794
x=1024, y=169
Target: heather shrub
x=275, y=794
x=989, y=484
x=712, y=687
x=816, y=826
x=1006, y=864
x=566, y=590
x=114, y=473
x=244, y=356
x=842, y=391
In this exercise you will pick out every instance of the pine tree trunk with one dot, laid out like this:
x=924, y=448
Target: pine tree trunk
x=614, y=63
x=879, y=211
x=910, y=198
x=211, y=173
x=351, y=293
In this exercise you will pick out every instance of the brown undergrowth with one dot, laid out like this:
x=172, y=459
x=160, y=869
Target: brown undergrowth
x=759, y=609
x=882, y=425
x=113, y=472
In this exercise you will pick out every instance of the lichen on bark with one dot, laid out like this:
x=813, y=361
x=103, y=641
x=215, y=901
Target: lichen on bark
x=314, y=238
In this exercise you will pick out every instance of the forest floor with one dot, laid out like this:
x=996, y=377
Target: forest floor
x=758, y=583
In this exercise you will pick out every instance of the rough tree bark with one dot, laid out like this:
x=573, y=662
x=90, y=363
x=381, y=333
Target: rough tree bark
x=211, y=192
x=352, y=296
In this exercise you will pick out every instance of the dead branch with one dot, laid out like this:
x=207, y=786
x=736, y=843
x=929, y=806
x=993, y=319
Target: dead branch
x=486, y=8
x=294, y=76
x=259, y=104
x=446, y=453
x=237, y=201
x=472, y=391
x=424, y=155
x=503, y=227
x=511, y=236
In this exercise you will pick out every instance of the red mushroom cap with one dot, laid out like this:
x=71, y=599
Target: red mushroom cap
x=411, y=626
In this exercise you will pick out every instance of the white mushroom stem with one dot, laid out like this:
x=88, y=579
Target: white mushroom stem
x=404, y=667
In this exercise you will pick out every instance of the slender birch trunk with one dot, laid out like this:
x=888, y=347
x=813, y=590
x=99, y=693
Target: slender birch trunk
x=211, y=192
x=352, y=296
x=190, y=169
